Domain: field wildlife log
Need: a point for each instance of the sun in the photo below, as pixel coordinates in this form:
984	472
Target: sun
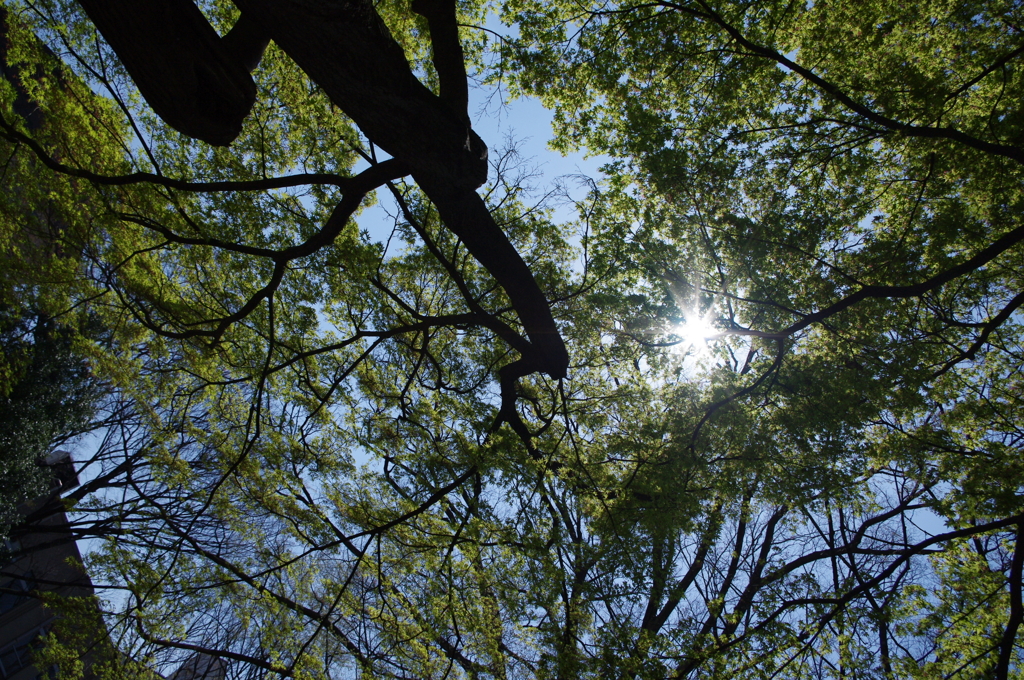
695	334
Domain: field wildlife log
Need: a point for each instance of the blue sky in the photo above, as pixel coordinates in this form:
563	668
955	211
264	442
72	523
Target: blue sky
522	121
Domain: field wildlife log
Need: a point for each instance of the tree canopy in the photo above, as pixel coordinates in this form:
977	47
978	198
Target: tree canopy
47	396
752	410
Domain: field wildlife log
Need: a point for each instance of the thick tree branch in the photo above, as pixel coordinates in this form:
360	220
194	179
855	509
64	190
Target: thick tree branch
348	51
246	42
346	48
179	64
448	59
200	87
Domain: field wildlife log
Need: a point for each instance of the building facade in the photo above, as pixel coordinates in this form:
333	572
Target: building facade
43	557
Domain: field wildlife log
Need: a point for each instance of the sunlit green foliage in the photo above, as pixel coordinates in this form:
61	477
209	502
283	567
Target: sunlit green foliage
306	477
47	396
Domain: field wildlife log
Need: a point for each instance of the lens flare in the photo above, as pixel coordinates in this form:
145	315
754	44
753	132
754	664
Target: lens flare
695	334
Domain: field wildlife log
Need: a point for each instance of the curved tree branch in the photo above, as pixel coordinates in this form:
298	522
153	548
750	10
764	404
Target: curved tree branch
1006	150
346	48
12	134
361	184
179	64
348	51
982	258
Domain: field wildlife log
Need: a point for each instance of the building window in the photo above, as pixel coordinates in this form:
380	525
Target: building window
18	655
16	592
